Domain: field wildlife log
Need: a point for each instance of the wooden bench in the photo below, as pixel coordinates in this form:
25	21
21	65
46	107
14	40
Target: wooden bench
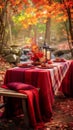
12	93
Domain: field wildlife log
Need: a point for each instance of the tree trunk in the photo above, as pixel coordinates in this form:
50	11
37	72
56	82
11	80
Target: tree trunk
48	25
71	31
70	25
70	21
47	33
9	24
2	25
69	40
2	32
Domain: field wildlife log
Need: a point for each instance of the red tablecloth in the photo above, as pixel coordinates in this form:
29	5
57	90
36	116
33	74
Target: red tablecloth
40	78
67	83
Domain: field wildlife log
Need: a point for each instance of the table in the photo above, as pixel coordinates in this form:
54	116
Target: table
48	80
67	83
38	78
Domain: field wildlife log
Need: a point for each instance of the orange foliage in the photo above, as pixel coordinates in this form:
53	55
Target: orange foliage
30	9
41	9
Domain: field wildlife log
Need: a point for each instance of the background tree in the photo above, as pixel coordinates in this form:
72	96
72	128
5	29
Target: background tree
16	6
66	7
3	16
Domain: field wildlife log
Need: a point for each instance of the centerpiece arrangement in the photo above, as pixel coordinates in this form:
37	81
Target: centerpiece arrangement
37	55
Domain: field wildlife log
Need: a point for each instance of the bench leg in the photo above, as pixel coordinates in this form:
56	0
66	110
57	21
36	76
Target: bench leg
25	112
2	105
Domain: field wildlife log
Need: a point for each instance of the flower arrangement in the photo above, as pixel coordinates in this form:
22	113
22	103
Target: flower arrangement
37	54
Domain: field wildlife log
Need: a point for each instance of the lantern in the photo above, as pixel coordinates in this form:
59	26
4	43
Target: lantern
47	52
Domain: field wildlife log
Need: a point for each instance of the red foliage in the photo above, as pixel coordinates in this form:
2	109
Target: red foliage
35	1
36	56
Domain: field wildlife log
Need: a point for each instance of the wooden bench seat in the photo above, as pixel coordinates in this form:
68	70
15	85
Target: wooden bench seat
11	93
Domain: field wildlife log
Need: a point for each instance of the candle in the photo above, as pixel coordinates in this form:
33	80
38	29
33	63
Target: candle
48	55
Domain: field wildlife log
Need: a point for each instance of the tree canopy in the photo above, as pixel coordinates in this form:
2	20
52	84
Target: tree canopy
31	12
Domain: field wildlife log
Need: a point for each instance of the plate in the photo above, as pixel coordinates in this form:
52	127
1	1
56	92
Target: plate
36	63
59	60
25	65
45	67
